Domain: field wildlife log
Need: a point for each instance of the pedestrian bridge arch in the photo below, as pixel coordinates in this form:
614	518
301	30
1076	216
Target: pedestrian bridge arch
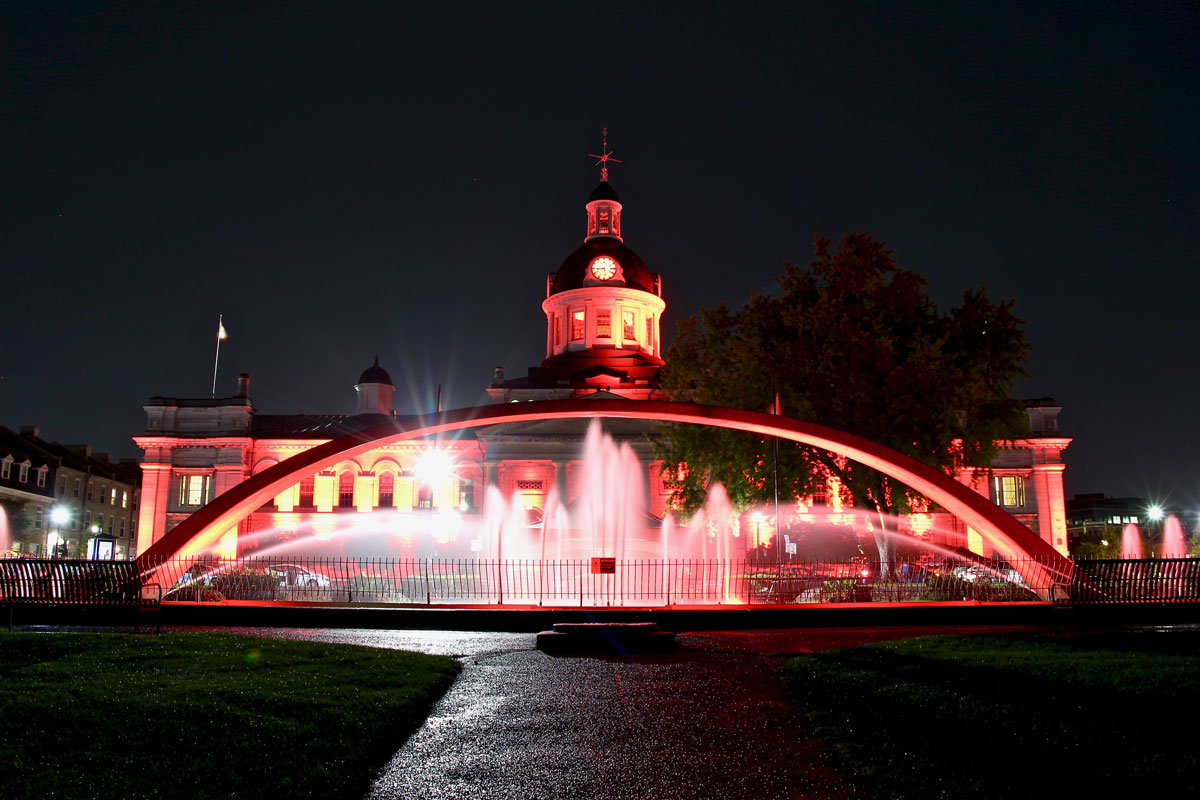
200	532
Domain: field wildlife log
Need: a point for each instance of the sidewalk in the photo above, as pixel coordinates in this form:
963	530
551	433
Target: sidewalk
708	721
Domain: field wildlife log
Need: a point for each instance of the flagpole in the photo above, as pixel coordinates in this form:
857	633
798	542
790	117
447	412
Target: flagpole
217	360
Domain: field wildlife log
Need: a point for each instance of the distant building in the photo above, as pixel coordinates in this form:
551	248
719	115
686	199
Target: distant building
98	499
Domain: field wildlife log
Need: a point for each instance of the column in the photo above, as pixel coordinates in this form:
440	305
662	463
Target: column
364	492
1051	504
152	516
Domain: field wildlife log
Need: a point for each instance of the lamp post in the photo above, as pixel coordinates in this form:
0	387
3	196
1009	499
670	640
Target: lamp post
58	517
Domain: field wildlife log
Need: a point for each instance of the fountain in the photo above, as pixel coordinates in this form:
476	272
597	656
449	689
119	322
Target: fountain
1131	541
1174	545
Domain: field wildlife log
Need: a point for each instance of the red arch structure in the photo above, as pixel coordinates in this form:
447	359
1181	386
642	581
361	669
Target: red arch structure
1014	541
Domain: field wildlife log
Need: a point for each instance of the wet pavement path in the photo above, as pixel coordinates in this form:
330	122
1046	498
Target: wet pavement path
707	721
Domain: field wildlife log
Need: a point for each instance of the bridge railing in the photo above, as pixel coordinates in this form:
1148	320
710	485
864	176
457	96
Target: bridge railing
573	582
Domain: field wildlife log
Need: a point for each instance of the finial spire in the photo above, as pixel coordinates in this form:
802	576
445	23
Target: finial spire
604	156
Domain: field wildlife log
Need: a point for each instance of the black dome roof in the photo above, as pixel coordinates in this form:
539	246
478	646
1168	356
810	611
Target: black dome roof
575	268
375	374
604	191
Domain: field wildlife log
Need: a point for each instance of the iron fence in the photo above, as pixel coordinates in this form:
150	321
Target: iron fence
1135	580
573	582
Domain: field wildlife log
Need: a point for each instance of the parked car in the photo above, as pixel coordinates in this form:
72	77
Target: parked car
194	583
296	575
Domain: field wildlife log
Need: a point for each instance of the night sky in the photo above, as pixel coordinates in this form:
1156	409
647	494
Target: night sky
352	181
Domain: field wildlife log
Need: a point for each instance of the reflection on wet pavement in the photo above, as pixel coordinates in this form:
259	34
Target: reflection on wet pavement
521	724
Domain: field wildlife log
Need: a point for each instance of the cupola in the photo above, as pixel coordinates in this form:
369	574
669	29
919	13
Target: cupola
374	390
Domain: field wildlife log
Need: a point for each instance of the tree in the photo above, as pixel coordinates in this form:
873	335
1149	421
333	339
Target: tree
853	342
14	514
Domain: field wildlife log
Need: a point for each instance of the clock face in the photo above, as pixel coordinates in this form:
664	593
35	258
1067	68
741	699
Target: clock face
604	268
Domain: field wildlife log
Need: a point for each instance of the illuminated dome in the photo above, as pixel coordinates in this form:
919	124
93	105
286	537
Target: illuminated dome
576	269
375	374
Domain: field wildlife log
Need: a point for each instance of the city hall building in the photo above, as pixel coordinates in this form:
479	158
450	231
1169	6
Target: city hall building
602	310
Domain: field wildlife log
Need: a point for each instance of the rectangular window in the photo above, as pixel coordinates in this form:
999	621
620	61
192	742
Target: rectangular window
306	491
41	481
603	324
466	495
102	494
124	499
90	492
77	484
62	485
111	518
193	490
628	321
387	488
650	332
121	528
39	514
6	468
1010	491
576	326
113	496
24	474
557	330
87	520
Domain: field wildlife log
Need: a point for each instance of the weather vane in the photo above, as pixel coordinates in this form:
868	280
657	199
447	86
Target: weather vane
604	157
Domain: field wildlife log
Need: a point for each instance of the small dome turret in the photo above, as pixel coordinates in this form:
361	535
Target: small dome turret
374	390
375	374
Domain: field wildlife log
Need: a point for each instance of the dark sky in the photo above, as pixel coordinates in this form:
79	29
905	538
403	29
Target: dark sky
353	181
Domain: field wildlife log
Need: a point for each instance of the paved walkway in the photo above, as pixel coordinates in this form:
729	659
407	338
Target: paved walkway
708	721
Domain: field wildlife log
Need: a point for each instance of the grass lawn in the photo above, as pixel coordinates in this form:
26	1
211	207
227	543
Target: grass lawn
204	714
1012	716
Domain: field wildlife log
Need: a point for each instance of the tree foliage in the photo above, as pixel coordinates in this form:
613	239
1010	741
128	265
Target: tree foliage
854	342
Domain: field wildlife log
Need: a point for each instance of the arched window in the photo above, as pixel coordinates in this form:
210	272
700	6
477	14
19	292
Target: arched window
387	485
346	490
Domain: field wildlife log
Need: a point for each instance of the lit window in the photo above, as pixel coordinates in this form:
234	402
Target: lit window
193	490
113	496
1010	491
627	319
603	324
576	325
387	486
124	499
346	490
306	491
649	331
466	495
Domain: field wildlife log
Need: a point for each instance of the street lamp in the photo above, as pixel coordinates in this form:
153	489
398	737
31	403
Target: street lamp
1156	513
59	515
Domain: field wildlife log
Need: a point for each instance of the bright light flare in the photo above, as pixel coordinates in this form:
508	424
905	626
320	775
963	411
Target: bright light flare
59	515
1156	513
434	467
